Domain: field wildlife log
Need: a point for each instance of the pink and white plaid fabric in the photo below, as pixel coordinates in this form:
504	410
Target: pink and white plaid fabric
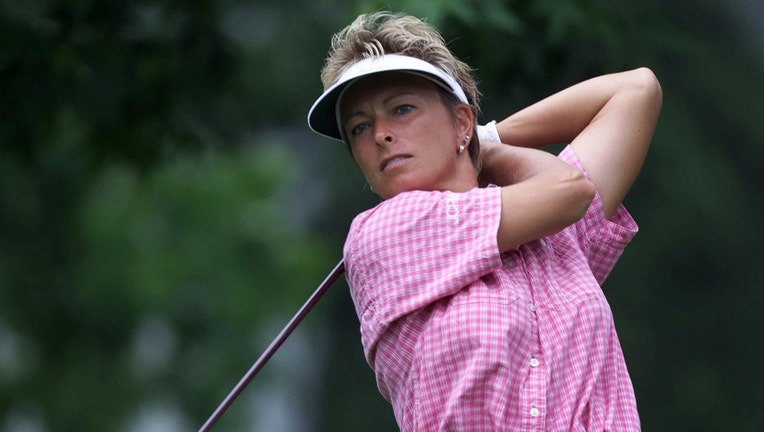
462	338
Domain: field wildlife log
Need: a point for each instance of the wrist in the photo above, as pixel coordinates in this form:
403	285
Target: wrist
488	132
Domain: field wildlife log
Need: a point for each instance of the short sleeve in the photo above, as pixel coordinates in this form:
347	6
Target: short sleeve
602	240
417	248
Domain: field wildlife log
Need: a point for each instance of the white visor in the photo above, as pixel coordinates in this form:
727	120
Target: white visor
324	117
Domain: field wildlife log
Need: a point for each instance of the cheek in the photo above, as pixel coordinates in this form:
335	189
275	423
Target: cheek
441	131
363	160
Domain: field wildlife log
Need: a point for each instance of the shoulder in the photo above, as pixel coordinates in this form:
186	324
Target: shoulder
418	220
419	209
396	208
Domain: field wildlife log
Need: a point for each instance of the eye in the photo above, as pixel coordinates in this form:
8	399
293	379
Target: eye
404	109
358	129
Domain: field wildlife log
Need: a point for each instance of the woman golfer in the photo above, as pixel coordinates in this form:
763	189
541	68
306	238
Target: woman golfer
477	278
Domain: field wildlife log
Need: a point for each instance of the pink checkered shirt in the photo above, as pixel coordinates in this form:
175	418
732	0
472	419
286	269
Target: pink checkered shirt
462	338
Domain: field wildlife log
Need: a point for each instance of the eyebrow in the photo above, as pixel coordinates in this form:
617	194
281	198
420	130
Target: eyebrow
349	117
384	101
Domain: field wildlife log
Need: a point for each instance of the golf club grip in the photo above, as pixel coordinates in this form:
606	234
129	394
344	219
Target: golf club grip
335	274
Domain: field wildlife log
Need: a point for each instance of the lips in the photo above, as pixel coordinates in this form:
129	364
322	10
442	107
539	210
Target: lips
392	161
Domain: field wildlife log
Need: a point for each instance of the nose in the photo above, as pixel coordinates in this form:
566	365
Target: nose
383	133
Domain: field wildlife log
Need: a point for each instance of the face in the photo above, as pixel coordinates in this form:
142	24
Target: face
404	138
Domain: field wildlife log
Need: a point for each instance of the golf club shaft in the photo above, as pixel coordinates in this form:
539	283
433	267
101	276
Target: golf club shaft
312	300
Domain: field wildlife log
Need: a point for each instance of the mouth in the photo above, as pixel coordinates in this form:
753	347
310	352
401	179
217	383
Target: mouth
393	161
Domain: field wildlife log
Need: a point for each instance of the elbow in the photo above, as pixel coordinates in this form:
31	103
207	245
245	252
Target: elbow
580	192
586	196
646	82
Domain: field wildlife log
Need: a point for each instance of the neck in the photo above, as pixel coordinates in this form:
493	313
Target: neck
464	178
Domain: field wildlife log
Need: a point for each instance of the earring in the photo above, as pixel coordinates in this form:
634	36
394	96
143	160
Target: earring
463	145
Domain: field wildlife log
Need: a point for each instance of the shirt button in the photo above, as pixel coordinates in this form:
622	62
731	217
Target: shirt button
534	362
532	307
543	243
534	412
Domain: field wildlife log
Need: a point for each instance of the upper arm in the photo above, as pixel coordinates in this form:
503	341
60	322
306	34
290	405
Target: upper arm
613	146
421	246
609	121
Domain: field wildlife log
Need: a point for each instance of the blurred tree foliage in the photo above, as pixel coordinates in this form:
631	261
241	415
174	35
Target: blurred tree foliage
162	204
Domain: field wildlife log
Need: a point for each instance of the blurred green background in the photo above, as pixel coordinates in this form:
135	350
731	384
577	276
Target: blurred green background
164	209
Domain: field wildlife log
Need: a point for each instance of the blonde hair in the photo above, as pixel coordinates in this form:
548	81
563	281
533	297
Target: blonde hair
384	32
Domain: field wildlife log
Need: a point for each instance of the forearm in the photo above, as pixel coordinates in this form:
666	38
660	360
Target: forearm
504	165
541	194
562	116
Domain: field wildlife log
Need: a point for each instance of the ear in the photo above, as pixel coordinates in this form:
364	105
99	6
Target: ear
465	120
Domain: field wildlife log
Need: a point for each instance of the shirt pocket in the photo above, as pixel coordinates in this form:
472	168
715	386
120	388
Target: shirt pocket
568	278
